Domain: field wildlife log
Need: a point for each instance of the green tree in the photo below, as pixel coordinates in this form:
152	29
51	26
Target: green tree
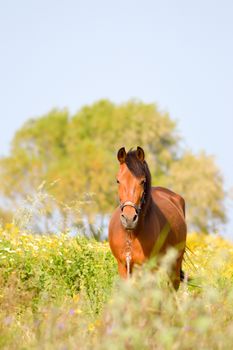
79	152
37	155
199	180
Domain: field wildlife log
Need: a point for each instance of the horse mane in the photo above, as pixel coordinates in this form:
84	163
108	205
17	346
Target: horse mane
139	169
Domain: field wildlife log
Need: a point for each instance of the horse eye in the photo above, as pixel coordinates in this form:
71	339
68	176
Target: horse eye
143	182
117	181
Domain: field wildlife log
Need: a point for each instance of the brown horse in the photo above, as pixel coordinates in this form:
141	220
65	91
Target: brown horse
148	220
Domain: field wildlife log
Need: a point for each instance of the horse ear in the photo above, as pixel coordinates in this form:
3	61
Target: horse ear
140	154
121	155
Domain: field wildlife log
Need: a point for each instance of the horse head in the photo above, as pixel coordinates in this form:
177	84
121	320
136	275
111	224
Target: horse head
132	180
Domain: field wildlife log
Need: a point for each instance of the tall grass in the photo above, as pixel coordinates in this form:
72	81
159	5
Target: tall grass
59	292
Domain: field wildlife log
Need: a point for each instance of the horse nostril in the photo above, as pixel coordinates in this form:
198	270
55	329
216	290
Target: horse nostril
129	222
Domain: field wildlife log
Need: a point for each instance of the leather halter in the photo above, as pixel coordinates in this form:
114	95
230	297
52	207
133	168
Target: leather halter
133	205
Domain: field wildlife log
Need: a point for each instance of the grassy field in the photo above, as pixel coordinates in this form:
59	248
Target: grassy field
64	293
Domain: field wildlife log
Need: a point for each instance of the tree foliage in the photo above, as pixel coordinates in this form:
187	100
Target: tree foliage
198	179
79	152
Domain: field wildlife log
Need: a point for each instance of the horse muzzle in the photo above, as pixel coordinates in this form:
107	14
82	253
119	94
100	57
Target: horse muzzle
129	223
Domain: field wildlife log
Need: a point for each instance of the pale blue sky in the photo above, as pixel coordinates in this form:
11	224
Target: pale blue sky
178	54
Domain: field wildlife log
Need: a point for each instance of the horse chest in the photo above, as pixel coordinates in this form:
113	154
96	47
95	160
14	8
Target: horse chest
139	255
138	250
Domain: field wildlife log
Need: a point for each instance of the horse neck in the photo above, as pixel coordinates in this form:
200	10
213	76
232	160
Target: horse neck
145	212
147	205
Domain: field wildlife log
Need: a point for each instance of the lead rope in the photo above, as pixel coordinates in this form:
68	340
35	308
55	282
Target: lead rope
128	255
128	258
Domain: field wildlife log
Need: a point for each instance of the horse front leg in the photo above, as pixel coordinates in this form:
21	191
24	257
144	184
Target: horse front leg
122	269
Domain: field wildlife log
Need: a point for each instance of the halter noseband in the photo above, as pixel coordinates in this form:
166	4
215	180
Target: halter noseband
137	208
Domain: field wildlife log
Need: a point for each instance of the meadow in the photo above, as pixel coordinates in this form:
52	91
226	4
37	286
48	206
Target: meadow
59	292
